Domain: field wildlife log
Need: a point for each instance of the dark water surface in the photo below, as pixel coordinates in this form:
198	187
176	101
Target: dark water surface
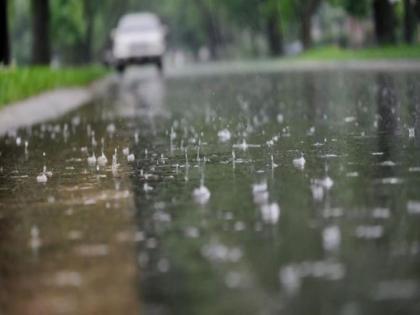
199	223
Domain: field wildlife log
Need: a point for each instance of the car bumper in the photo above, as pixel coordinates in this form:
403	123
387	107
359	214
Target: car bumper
138	51
137	60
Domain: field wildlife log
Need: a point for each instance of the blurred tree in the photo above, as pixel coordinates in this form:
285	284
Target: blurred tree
359	8
274	33
273	23
385	21
89	16
68	30
4	34
185	24
260	16
305	10
212	25
246	17
410	21
41	51
417	9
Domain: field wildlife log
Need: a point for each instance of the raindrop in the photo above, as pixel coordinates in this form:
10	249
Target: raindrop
369	231
102	160
290	279
413	207
299	163
317	192
233	279
331	237
131	157
201	194
92	160
42	178
270	213
381	213
411	132
163	265
273	164
224	135
147	187
110	128
191	232
35	241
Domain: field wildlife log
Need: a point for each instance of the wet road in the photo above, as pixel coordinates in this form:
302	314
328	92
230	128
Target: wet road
257	193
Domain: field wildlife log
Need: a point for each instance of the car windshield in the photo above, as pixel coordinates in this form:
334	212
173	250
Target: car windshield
138	23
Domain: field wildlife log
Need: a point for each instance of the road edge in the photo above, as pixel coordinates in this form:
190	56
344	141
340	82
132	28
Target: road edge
45	106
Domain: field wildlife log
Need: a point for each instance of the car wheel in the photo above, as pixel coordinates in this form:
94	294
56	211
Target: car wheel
120	68
159	64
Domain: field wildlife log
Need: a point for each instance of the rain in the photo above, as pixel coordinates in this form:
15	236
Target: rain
249	190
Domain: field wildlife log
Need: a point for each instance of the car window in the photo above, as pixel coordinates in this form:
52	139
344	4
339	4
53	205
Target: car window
133	24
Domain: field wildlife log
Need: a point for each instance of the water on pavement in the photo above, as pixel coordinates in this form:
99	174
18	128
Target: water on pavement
287	193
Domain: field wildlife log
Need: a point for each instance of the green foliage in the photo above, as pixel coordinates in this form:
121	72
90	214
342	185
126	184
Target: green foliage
336	53
356	8
235	22
359	8
67	23
20	83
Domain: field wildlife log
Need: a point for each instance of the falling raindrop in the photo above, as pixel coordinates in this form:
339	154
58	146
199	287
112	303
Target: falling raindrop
299	163
92	160
131	157
331	237
411	132
102	160
201	194
224	135
270	213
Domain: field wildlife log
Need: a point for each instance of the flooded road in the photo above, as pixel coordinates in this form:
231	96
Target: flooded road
257	193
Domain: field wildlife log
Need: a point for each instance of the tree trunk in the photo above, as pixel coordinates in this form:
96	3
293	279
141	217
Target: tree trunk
4	34
211	26
305	31
41	51
307	9
89	16
384	19
417	8
274	34
410	21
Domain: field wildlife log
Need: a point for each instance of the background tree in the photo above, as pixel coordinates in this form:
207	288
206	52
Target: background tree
89	18
385	21
208	11
410	21
305	10
4	34
272	16
41	50
80	29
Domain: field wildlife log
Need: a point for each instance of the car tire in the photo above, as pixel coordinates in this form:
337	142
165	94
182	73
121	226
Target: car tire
159	64
120	68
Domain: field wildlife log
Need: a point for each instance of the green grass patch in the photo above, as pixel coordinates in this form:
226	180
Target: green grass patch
336	53
19	83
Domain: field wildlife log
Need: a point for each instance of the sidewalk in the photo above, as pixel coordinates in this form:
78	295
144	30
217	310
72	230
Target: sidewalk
48	105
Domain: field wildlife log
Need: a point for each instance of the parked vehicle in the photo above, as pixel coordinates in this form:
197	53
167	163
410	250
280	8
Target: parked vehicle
138	39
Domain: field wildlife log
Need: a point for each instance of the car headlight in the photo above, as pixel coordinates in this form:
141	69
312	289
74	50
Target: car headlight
120	49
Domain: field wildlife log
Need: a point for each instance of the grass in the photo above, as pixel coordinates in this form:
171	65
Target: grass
336	53
20	83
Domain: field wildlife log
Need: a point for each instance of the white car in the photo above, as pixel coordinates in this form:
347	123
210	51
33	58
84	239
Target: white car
139	38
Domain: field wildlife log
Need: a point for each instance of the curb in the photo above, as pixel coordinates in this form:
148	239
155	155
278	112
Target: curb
48	105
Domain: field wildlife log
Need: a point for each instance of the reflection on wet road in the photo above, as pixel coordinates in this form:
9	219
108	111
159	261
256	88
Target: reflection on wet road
288	193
